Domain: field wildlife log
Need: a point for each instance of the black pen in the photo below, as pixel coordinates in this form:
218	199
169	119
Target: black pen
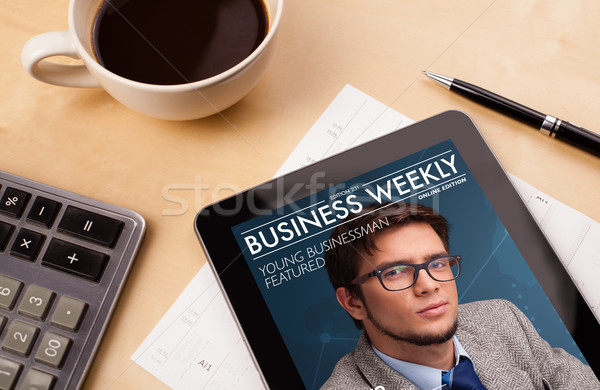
548	125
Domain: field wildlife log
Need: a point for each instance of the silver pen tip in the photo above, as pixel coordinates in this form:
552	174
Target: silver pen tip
444	81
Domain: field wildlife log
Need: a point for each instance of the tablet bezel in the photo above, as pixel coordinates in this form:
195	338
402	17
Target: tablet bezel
213	226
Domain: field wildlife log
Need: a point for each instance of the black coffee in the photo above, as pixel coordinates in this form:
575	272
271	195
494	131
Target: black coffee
176	41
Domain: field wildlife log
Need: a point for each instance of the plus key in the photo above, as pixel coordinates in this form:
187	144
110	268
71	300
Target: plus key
75	259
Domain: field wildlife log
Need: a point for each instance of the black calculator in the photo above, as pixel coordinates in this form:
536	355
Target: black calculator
64	259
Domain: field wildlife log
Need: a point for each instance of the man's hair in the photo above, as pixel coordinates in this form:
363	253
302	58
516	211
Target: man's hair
343	261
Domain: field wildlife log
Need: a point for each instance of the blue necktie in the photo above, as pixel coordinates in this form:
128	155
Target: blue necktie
462	377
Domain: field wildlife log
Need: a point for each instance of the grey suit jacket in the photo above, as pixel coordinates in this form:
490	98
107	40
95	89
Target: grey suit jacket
506	349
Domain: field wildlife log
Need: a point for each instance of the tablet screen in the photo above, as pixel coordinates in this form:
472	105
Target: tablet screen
285	250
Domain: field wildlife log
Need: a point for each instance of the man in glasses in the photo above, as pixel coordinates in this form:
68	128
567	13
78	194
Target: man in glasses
398	285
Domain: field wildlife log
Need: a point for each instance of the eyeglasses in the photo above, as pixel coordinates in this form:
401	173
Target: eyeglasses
402	276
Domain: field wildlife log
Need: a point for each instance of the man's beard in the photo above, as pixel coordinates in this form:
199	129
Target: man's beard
413	337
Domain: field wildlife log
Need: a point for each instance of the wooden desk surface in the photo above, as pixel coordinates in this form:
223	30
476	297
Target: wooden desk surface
544	54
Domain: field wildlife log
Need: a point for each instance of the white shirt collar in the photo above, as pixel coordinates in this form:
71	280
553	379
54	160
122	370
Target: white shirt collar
425	378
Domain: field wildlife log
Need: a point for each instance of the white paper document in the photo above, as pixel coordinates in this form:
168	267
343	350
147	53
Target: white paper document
351	119
197	344
573	235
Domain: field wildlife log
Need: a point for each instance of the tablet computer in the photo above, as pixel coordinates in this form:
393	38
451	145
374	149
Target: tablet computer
269	246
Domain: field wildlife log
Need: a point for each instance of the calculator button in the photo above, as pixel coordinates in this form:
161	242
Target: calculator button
20	337
90	226
9	373
27	244
36	302
5	233
53	349
43	211
75	259
69	313
13	201
38	380
2	322
9	291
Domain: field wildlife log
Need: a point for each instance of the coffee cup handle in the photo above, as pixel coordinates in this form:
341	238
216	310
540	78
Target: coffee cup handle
56	43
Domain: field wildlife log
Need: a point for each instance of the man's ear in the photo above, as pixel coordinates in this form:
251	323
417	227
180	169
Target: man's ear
353	304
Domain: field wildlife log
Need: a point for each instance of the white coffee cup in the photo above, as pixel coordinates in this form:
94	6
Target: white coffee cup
175	102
